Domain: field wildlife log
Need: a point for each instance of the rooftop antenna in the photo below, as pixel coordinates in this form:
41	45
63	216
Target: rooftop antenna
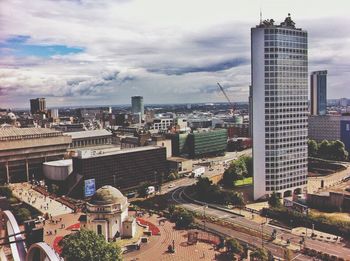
260	16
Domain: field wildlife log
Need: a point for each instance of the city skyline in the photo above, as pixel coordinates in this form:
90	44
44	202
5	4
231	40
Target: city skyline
83	53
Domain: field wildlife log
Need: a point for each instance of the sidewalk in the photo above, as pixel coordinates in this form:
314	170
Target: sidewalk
25	193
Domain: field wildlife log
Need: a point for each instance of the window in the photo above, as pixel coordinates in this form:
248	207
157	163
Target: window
99	230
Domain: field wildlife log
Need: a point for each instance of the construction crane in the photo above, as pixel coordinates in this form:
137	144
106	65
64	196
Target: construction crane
227	98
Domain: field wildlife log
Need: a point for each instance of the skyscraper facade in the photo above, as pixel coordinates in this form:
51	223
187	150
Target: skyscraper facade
280	107
137	105
318	82
37	105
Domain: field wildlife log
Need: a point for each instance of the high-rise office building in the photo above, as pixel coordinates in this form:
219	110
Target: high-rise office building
37	105
137	105
318	82
280	107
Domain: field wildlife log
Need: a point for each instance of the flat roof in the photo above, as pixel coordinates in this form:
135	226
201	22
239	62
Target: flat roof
59	163
26	133
86	154
88	134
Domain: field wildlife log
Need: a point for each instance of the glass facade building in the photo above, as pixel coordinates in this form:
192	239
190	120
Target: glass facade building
318	82
279	108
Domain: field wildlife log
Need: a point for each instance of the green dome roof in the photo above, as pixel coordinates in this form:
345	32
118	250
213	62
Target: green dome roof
108	195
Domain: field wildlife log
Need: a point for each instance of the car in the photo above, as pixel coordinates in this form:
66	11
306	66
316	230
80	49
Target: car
39	219
171	186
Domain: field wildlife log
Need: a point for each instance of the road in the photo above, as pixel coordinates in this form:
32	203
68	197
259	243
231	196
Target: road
336	249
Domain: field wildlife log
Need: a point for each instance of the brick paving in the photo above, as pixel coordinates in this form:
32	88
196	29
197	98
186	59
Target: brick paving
156	248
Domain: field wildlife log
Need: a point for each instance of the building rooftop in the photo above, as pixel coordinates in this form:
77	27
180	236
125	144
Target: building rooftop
88	134
108	195
86	154
7	134
59	163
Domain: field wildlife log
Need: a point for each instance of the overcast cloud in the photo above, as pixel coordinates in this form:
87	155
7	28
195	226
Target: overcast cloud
85	52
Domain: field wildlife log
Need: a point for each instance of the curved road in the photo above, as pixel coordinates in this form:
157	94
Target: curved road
336	249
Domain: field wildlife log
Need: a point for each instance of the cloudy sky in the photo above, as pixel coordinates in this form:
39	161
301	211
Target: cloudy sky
86	52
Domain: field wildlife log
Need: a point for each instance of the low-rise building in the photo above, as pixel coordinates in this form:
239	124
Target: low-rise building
125	169
81	139
330	127
24	150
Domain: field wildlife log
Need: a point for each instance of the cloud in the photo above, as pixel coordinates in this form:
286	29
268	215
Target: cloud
104	51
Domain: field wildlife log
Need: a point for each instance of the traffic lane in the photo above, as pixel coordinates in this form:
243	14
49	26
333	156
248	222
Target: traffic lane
333	249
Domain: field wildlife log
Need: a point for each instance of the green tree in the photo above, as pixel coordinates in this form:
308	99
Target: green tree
312	148
5	191
337	150
236	171
248	160
182	218
324	149
259	254
237	199
23	214
86	245
274	201
142	189
234	246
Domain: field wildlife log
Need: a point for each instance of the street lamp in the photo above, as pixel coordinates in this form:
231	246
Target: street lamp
204	207
262	234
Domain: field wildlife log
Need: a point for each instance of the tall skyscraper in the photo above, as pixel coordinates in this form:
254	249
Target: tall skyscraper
280	107
137	105
37	105
318	82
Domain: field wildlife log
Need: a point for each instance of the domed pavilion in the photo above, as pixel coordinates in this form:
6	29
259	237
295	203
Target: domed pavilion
107	214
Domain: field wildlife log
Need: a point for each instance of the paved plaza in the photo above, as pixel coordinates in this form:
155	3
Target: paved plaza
44	204
156	248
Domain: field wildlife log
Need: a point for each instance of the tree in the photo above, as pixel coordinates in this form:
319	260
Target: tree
86	245
237	199
248	160
324	149
236	171
337	150
274	201
312	148
182	218
142	190
234	246
5	191
259	254
23	214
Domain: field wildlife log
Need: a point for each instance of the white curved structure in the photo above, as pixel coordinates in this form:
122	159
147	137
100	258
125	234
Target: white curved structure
37	252
18	249
42	252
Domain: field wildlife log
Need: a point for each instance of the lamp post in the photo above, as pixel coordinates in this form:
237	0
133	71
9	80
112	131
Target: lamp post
204	207
262	234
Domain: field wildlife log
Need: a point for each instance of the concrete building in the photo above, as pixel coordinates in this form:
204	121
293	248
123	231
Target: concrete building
330	127
81	139
161	124
199	143
58	170
23	151
137	106
318	82
279	107
124	169
38	106
107	215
